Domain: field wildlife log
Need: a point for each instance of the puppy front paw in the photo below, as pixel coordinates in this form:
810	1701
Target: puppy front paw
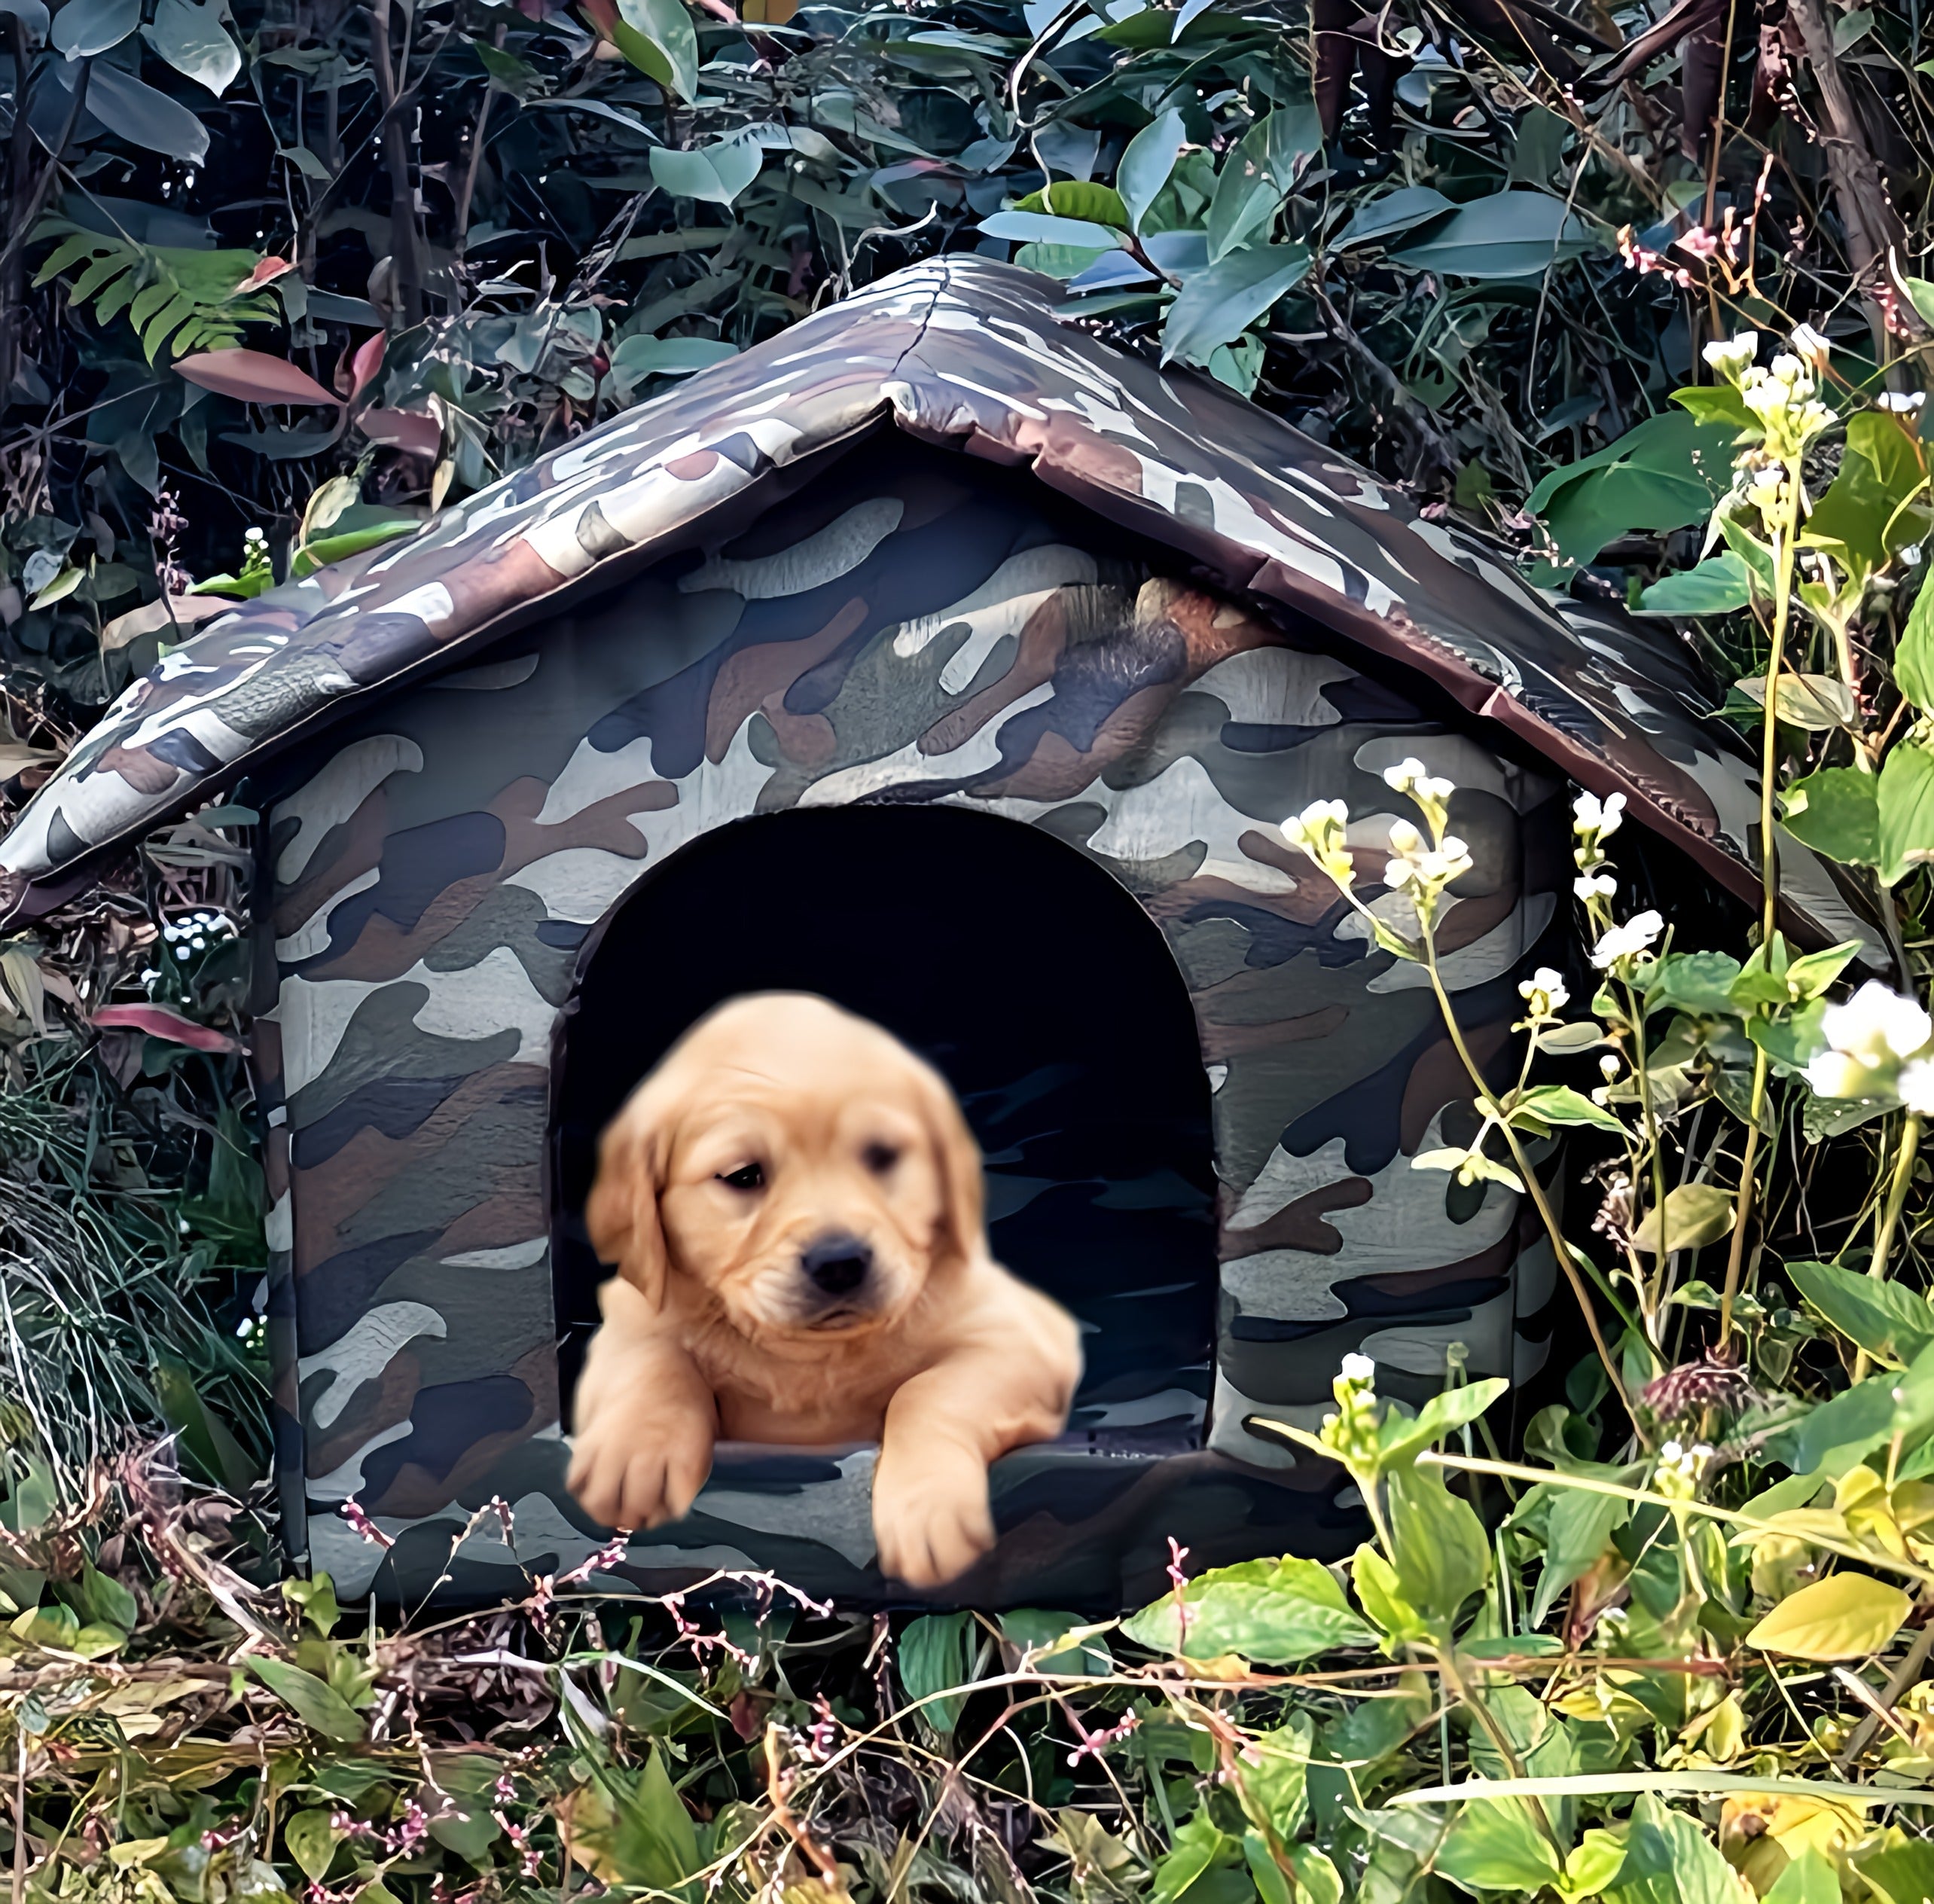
634	1467
932	1518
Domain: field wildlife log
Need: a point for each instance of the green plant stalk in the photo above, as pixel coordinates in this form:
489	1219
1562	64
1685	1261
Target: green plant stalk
1897	1186
1648	1118
1533	1187
1784	533
1873	1557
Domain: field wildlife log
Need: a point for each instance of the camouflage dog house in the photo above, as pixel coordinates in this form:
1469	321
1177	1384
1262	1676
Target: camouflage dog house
941	657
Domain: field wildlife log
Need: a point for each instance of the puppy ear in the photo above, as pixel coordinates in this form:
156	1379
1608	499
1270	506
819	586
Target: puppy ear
622	1212
962	1229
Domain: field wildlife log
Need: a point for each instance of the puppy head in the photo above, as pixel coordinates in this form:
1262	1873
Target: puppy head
800	1164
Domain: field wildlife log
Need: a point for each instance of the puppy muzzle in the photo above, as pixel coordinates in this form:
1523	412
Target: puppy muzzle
837	1282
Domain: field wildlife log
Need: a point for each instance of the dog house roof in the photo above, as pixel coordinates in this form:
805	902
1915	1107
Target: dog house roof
971	355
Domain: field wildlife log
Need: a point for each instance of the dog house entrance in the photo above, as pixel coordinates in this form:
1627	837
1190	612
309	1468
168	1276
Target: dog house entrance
1030	978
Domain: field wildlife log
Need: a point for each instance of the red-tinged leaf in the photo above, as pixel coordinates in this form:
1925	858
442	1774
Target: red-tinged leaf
158	1022
402	429
265	272
255	376
365	365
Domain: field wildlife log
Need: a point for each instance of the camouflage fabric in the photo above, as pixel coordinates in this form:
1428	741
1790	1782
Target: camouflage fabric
969	353
916	629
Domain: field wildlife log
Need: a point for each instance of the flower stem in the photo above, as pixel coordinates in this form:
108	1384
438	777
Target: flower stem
1897	1189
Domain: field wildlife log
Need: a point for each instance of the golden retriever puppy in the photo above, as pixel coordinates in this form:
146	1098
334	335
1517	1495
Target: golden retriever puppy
793	1201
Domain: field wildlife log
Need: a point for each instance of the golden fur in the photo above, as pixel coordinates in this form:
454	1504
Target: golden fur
730	1318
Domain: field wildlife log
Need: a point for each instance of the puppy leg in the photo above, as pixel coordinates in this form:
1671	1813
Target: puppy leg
645	1420
931	1513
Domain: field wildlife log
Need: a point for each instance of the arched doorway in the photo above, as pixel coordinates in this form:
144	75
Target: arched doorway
1036	984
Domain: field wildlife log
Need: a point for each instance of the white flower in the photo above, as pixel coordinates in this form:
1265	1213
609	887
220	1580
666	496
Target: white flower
1623	941
182	952
1901	400
1732	358
1594	886
1405	774
1833	1074
1315	819
1811	347
1916	1086
1544	992
1608	1067
1672	1452
1359	1369
1432	868
1596	816
1405	838
1875	1023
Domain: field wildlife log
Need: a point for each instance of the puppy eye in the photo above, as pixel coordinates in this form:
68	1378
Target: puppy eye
747	1176
879	1158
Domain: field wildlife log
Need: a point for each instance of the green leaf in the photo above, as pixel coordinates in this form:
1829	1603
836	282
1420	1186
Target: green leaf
1810	1878
469	1829
144	115
1881	1317
1897	1874
311	1841
107	1600
1400	1438
1217	305
84	28
1511	234
326	549
936	1653
1905	800
1694	1214
657	37
1273	1767
1560	1104
1079	199
1198	1847
1667	473
1441	1553
1147	162
1045	228
316	1703
1718	403
1399	211
1256	176
1698	982
1271	1885
1845	1616
1669	1859
1866	517
638	357
1914	660
1278	1612
715	174
1494	1846
1577	1529
202	1437
1719	584
189	35
1837	812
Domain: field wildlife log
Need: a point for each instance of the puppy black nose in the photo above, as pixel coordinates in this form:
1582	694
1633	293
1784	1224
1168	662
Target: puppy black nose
837	1265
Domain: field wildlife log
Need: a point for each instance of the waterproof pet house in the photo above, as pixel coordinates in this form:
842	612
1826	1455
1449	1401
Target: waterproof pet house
940	658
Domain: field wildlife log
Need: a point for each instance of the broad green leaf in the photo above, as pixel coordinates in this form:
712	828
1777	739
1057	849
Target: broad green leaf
1256	176
1670	1859
1385	216
1904	801
1914	660
145	116
1146	163
1810	1878
311	1842
1511	234
1816	703
1216	306
1719	403
1577	1529
1594	1861
84	28
1866	515
1829	1439
1667	473
1316	1877
468	1828
1837	812
1719	584
1271	1885
316	1703
1896	1874
1400	1438
1441	1553
1494	1846
641	357
1845	1616
1698	982
1560	1104
715	174
1278	1611
203	1438
657	37
1079	198
1695	1214
1881	1317
190	36
1274	1770
1046	228
936	1654
107	1600
326	549
1197	1849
